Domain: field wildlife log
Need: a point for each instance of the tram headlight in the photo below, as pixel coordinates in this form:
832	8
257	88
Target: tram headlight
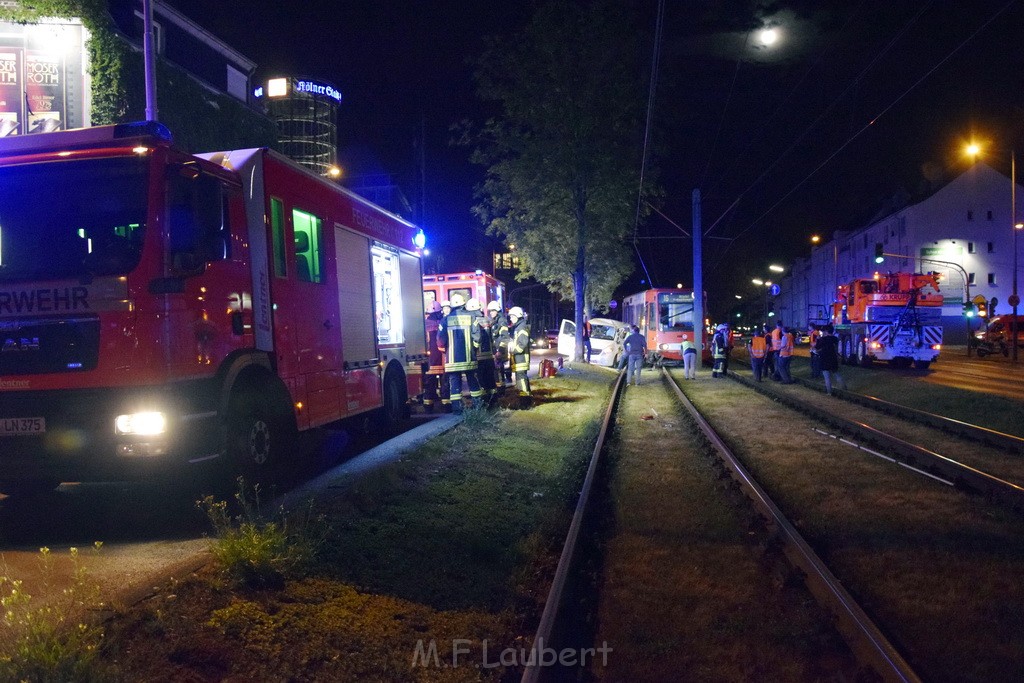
148	423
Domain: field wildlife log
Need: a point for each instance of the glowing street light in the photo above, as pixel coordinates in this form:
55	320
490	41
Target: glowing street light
973	150
776	269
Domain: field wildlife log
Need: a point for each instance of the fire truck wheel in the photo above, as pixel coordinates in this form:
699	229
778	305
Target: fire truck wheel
396	400
254	435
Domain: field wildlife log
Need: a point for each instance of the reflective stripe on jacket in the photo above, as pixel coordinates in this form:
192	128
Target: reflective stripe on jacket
455	338
758	347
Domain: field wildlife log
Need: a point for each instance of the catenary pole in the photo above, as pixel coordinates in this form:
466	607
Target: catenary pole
149	59
698	278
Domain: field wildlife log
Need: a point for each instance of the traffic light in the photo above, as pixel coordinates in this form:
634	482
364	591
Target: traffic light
879	256
969	309
982	309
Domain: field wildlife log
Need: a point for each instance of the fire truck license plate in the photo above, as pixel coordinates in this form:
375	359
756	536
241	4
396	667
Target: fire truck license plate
17	426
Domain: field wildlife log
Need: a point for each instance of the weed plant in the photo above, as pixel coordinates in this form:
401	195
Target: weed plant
51	642
476	418
259	551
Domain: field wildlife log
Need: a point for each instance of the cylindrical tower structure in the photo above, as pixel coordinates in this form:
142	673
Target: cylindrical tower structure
306	114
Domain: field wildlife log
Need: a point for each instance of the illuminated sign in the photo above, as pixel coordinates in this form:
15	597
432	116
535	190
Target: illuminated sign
314	88
277	87
42	77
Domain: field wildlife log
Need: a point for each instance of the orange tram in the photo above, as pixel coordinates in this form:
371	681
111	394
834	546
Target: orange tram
665	318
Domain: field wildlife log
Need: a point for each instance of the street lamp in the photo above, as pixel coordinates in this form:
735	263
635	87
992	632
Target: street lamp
973	149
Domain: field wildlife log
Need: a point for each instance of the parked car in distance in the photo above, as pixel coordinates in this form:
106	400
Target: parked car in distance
606	336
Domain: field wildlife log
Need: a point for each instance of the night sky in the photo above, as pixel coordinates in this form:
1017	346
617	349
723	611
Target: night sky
858	104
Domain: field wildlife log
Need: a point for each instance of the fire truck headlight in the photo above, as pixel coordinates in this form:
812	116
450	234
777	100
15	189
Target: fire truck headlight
141	424
936	347
875	345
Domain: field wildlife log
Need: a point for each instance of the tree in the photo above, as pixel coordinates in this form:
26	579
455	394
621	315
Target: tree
563	157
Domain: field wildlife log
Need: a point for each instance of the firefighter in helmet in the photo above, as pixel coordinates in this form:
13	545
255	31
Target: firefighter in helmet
434	384
720	351
519	351
484	343
455	338
500	338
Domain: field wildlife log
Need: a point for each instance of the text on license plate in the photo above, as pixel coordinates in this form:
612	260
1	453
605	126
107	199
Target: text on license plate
16	426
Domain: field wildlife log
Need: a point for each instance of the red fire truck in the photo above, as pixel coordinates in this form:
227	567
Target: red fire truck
159	308
477	285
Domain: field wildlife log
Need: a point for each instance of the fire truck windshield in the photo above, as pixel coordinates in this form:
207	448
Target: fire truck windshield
80	218
675	312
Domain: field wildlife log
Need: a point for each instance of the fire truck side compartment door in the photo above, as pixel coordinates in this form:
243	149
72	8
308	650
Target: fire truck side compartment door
412	307
355	299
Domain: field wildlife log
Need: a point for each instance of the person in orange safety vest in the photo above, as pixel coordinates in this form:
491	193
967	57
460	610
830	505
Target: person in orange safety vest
757	348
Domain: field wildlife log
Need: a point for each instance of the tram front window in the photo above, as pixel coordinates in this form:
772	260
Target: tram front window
675	312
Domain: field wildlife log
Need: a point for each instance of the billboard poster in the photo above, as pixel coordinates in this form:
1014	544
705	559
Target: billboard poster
44	98
43	82
10	92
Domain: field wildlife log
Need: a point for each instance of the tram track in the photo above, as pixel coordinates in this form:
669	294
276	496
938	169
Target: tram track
872	650
914	553
1008	442
988	473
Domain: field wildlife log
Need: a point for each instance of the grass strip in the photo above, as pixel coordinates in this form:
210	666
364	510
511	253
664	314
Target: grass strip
432	567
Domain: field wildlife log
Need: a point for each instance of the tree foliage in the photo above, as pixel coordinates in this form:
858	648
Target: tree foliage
563	156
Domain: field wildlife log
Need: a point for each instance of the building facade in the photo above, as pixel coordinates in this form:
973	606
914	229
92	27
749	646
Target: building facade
67	64
964	232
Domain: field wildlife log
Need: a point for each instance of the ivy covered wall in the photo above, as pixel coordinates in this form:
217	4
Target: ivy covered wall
199	119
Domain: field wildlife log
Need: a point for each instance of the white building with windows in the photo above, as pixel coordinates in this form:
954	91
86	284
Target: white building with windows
964	232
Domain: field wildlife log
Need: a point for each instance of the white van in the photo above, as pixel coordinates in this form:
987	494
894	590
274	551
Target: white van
606	337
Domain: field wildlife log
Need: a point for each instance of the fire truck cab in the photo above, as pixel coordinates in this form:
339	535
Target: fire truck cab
160	309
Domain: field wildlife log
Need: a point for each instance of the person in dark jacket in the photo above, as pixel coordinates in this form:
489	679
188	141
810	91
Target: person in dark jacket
635	347
435	385
828	358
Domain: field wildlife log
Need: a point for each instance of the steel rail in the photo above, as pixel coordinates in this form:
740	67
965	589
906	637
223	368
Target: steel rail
964	476
862	635
533	669
992	437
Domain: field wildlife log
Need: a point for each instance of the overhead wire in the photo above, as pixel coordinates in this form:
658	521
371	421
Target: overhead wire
784	101
876	117
655	60
860	76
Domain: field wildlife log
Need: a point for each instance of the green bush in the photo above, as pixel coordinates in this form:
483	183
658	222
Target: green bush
260	552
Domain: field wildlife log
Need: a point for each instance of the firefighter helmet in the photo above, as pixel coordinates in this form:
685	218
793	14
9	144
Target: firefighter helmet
722	327
434	306
515	312
457	300
493	306
473	304
446	304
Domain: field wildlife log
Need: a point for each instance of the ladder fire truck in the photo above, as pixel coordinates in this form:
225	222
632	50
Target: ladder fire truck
890	317
159	308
